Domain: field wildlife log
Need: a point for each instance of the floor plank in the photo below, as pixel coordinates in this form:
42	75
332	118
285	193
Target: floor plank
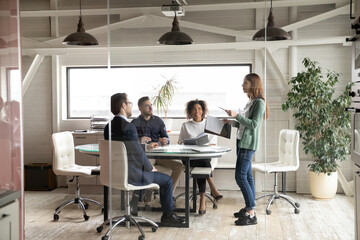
319	219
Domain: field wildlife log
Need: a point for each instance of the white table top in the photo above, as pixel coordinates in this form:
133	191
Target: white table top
170	150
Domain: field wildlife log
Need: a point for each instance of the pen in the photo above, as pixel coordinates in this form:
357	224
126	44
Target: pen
222	108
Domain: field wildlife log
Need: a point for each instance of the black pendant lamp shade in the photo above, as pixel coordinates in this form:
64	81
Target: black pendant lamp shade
175	37
80	37
272	33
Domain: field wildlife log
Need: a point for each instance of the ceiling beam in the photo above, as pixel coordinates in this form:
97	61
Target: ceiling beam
184	48
270	59
31	72
188	8
323	16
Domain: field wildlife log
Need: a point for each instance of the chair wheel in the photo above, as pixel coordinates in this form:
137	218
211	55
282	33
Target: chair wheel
154	229
268	212
215	206
104	238
56	217
141	237
297	205
297	211
86	217
86	205
99	229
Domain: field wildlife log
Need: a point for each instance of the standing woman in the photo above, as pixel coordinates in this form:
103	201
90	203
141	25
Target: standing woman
196	110
248	123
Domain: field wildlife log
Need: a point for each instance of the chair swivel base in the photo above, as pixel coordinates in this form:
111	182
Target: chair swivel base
127	219
81	202
277	196
208	195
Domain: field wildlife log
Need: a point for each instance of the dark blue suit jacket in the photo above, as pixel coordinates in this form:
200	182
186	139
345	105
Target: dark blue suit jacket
122	130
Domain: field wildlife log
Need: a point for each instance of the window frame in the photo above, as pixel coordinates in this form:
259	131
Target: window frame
68	69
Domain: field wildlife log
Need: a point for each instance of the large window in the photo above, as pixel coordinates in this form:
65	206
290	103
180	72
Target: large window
90	88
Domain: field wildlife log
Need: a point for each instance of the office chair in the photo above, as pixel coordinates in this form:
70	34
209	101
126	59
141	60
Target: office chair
64	164
288	151
119	180
202	172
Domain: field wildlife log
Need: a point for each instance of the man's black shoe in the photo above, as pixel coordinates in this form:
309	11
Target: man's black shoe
171	218
134	205
148	195
246	221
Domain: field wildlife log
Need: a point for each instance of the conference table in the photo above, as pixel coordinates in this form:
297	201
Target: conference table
186	153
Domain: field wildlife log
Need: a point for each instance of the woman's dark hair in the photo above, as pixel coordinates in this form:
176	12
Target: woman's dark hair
116	101
190	104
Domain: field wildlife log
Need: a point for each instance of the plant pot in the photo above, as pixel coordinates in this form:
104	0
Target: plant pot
168	123
323	186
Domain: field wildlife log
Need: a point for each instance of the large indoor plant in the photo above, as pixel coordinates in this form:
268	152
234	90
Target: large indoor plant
322	121
163	98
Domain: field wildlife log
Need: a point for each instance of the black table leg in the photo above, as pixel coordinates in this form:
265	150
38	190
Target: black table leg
106	202
187	183
194	194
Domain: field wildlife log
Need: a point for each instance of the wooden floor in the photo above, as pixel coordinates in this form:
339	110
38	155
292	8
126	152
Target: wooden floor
318	219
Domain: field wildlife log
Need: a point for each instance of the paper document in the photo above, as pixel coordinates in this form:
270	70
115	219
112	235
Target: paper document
202	149
217	127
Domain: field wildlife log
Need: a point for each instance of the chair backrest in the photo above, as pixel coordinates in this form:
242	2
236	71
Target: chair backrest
119	164
63	151
289	147
357	141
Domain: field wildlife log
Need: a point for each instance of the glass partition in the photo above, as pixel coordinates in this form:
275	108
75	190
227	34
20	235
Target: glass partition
132	42
11	172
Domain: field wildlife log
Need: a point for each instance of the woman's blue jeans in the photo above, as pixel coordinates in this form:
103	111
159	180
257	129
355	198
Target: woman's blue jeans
243	175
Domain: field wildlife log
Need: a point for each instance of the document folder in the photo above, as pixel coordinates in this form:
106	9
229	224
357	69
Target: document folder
217	127
201	139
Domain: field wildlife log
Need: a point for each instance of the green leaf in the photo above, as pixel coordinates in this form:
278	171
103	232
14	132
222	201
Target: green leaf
322	121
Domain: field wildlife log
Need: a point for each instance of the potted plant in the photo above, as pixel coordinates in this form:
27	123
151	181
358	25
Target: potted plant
163	98
323	123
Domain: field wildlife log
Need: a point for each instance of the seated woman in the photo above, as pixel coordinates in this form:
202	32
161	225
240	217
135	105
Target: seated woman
197	110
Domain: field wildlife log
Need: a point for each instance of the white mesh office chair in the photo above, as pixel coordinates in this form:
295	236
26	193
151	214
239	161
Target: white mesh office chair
288	150
119	180
64	164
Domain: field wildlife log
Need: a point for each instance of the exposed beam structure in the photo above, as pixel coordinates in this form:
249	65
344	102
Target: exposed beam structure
31	72
157	21
152	21
275	67
318	18
189	8
183	48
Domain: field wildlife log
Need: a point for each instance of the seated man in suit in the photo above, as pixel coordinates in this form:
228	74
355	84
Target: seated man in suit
151	129
140	171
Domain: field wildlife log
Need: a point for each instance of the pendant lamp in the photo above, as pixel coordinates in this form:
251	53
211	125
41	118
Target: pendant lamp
272	32
175	36
80	37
